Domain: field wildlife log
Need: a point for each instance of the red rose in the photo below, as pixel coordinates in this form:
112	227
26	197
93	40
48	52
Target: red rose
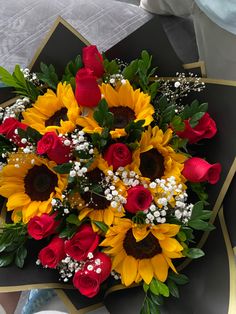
94	272
206	128
43	226
8	128
87	91
118	155
199	170
139	198
83	242
93	60
53	146
51	255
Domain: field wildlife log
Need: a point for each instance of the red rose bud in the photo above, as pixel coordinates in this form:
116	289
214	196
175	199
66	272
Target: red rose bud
118	155
8	128
83	242
93	60
43	226
51	255
139	198
94	272
206	128
87	91
199	170
54	147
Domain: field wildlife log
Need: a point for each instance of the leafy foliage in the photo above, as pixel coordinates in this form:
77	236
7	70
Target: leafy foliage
194	112
71	69
17	80
134	131
48	75
139	72
199	216
12	241
5	145
63	168
103	116
30	134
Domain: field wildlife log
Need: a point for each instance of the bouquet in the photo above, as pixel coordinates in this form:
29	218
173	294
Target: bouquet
98	165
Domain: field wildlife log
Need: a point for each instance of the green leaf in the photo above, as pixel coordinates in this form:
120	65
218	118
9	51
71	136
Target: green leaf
68	231
179	279
194	253
154	287
195	119
103	116
21	85
197	210
6	259
145	287
198	224
73	219
111	67
177	123
63	168
5	145
173	288
158	287
153	89
21	254
101	225
199	189
182	236
48	75
131	70
149	307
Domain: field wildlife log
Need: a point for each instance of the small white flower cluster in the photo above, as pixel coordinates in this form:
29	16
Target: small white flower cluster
58	205
117	78
183	212
80	142
129	178
177	89
78	170
32	77
115	275
170	191
14	110
67	267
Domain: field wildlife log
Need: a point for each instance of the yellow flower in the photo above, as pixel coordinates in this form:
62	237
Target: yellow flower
126	104
142	251
30	184
54	112
95	205
155	158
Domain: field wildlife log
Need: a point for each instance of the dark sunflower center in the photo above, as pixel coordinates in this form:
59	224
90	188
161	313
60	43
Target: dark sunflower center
147	248
152	164
57	117
122	116
95	200
40	182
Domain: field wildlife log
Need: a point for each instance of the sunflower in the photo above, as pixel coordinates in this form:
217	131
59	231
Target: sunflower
30	184
95	205
142	251
126	104
155	158
54	112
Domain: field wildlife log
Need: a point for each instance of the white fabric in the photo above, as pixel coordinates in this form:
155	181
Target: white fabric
216	46
221	12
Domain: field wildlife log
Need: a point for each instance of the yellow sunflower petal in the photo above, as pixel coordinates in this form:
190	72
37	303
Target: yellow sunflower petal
146	270
160	267
17	200
171	245
129	270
